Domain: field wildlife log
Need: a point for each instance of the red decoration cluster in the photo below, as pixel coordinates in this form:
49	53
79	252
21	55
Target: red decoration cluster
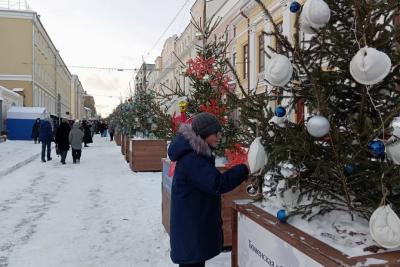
177	120
214	108
235	156
199	67
221	82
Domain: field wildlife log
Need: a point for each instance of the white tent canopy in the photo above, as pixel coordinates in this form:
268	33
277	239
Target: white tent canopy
27	113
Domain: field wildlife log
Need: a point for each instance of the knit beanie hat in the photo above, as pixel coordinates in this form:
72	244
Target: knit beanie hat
205	124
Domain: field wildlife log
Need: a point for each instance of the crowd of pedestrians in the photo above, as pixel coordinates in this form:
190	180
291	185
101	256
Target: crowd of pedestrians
67	134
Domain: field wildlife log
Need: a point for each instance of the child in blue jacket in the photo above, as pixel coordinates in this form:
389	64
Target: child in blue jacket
195	220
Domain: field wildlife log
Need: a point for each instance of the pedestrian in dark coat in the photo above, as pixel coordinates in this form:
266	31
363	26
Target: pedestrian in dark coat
87	138
76	139
35	130
46	136
195	220
62	139
111	130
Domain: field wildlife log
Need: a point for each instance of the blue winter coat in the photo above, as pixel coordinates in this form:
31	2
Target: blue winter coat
195	220
45	132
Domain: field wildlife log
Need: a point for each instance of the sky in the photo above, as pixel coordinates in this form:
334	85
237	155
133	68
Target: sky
110	34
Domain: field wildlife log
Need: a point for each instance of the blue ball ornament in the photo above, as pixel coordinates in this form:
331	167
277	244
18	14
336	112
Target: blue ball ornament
349	169
295	7
281	215
280	111
377	148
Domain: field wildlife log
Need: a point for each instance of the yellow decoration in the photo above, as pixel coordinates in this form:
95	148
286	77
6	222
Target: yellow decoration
183	106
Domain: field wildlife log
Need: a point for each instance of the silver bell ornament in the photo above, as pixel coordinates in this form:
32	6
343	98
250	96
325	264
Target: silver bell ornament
252	190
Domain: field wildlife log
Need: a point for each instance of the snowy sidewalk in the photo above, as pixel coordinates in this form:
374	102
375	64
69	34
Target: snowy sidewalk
15	154
96	213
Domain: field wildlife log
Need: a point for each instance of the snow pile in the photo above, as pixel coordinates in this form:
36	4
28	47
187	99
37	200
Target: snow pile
96	213
337	229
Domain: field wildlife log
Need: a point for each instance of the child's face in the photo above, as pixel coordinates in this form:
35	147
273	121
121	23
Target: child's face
213	139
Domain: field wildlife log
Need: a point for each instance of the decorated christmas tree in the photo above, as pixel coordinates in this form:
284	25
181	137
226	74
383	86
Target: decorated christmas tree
210	85
344	75
142	116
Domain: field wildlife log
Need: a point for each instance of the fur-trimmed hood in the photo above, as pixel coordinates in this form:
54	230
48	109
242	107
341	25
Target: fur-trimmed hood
187	141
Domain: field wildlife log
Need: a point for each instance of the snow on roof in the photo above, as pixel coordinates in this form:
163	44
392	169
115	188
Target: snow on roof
26	112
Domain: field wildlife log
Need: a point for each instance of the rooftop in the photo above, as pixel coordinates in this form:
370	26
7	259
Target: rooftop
15	5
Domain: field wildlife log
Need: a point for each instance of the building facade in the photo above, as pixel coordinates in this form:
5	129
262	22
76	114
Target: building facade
77	99
31	62
144	76
246	25
170	65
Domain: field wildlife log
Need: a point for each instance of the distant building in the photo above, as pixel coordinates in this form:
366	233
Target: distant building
144	76
77	99
89	107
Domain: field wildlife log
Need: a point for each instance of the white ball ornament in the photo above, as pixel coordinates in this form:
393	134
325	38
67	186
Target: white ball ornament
384	227
279	70
256	156
318	126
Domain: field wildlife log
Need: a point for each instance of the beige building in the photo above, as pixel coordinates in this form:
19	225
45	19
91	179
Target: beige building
165	66
77	99
144	76
31	62
249	44
169	75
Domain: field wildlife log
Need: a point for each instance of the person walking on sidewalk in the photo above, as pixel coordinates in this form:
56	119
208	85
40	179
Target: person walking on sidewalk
62	140
35	130
195	222
111	130
75	139
46	136
87	138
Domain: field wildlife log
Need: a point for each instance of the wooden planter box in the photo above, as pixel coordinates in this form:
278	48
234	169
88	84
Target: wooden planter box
259	239
127	147
146	155
117	139
227	203
123	137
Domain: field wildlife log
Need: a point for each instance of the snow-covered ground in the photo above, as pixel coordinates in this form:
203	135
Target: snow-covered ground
13	153
96	213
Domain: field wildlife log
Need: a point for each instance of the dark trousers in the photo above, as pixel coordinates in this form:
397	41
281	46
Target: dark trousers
63	154
111	136
76	154
36	139
200	264
48	146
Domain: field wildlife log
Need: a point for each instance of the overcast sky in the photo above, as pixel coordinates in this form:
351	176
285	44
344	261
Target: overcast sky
105	33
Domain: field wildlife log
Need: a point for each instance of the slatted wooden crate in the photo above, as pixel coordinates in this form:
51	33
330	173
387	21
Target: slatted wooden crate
117	139
226	205
127	147
146	155
259	239
123	137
